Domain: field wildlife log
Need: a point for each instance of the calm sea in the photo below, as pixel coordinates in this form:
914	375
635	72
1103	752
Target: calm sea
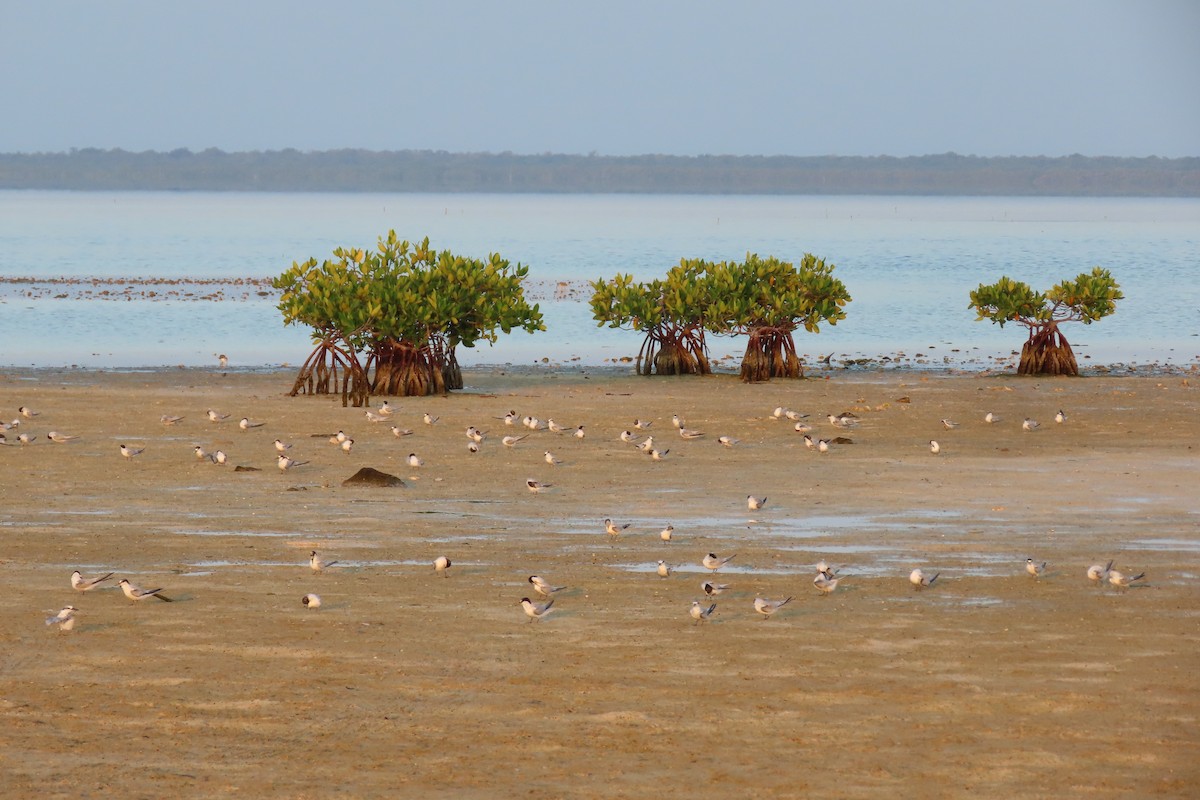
908	262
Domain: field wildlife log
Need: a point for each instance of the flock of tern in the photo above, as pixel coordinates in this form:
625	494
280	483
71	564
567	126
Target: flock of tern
825	582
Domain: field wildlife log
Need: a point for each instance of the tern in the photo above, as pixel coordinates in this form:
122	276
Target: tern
223	360
658	455
1035	569
373	417
167	419
628	436
311	600
554	426
711	561
27	412
398	432
990	418
825	582
510	418
476	435
728	441
579	434
647	445
543	586
664	570
676	421
338	437
441	564
754	503
802	427
472	447
26	438
665	533
60	438
214	416
1060	417
1098	572
552	460
510	441
130	452
779	412
613	529
537	486
808	442
822	445
1122	581
794	416
137	593
934	447
317	563
64	619
700	613
200	454
1030	424
536	611
688	433
82	584
429	419
768	607
282	446
347	445
286	463
712	589
642	425
386	410
843	420
245	424
918	579
415	461
220	458
949	424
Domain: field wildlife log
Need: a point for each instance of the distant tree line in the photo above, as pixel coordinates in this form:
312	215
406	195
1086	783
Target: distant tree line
437	171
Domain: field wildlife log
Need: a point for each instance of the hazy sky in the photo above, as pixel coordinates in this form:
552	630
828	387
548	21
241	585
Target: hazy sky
911	77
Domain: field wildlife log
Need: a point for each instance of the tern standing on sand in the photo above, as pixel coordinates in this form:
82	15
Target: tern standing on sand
138	593
918	580
82	584
700	613
64	619
712	562
534	611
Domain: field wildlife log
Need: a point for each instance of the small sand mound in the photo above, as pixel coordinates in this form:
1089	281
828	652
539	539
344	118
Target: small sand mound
369	476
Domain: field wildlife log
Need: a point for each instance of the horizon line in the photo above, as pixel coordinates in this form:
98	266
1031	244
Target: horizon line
592	154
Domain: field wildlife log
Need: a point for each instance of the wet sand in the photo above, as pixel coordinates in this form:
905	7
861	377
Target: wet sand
990	683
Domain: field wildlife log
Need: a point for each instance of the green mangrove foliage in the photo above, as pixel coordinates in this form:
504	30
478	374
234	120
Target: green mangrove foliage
332	298
388	321
1087	298
765	299
768	300
672	313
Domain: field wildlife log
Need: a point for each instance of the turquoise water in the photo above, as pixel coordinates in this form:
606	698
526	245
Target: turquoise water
908	262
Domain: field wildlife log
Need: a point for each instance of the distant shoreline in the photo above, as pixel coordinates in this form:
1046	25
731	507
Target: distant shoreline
425	171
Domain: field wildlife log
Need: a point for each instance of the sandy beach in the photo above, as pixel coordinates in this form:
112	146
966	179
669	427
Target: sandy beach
405	683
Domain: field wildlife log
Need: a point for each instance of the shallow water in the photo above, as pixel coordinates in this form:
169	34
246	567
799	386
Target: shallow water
908	262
